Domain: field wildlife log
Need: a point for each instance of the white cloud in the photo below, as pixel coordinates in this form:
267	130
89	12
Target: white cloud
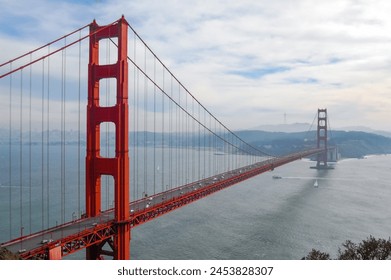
335	53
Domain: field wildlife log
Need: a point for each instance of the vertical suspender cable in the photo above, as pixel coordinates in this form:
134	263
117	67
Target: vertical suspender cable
61	137
42	146
30	146
186	145
10	154
207	145
226	148
178	139
197	144
229	151
188	133
189	141
64	131
200	142
137	127
206	141
145	124
182	175
182	132
21	153
163	138
217	147
180	151
212	146
189	137
214	171
192	137
136	160
170	109
154	127
79	136
232	154
47	143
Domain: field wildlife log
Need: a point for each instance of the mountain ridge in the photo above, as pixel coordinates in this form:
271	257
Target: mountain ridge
350	143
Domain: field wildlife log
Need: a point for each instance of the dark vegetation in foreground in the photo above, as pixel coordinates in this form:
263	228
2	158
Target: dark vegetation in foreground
369	249
7	255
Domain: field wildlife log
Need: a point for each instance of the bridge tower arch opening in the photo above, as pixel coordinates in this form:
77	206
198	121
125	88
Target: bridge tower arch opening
117	114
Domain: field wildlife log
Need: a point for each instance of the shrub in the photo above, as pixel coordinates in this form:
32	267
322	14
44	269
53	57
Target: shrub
369	249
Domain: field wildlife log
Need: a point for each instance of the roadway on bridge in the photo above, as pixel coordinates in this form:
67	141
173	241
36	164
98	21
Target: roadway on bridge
56	234
59	236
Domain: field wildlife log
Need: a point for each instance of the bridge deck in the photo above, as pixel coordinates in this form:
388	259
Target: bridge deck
81	233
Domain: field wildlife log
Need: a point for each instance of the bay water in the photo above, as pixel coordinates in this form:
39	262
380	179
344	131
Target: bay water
261	218
266	218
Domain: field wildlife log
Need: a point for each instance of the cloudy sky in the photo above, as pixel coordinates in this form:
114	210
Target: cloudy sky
249	62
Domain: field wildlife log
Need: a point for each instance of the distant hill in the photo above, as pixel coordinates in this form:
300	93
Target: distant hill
358	143
367	129
300	127
350	143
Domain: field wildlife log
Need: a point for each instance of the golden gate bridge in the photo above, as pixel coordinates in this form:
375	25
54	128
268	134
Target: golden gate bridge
93	147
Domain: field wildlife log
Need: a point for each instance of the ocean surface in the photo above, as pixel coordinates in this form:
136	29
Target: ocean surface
261	218
266	218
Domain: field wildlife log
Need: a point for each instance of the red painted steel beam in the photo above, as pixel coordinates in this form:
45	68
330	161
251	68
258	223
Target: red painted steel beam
74	243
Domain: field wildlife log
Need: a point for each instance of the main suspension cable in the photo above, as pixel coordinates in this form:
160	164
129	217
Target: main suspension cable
188	92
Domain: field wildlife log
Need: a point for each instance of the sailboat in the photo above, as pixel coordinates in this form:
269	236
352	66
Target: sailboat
316	184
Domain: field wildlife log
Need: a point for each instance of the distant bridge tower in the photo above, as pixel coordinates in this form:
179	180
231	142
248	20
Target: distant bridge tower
96	164
322	139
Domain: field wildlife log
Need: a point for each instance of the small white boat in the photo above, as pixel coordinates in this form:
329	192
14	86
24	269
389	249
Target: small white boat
316	184
277	177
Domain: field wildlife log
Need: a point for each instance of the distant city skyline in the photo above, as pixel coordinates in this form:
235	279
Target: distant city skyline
250	63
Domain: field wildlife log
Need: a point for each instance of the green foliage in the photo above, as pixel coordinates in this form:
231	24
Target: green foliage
369	249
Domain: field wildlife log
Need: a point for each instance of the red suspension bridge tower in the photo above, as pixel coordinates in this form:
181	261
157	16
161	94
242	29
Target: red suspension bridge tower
322	139
118	166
